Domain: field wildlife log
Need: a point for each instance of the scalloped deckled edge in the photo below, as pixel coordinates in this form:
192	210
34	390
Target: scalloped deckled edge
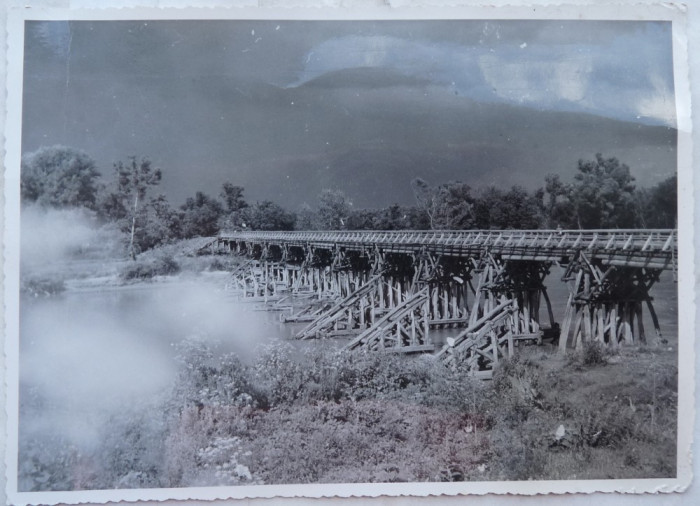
396	9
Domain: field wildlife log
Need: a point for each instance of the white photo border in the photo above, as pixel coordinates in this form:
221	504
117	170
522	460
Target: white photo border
686	300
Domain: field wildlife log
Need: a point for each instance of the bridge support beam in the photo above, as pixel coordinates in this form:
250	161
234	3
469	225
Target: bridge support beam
352	314
397	278
518	280
449	281
404	329
609	281
486	340
606	304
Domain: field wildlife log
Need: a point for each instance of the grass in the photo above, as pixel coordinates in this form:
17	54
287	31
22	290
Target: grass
112	269
327	417
149	268
42	286
619	419
324	416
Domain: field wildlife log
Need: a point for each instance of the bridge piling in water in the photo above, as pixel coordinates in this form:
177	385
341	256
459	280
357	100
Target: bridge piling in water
389	288
606	303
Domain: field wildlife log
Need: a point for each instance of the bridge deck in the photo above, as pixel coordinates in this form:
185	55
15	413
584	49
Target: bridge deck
633	248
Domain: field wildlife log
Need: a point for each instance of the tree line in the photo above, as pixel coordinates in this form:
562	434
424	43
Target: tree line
602	195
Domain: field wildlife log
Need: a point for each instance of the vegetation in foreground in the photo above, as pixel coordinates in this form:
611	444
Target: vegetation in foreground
326	416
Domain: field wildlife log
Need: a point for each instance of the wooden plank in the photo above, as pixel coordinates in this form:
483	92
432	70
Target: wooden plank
613	339
392	316
338	310
569	314
654	318
640	322
419	348
600	313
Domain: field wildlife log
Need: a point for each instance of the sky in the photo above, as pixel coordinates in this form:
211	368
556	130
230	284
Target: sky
285	108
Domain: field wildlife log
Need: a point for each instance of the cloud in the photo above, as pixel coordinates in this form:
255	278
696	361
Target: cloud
660	103
624	75
442	63
541	80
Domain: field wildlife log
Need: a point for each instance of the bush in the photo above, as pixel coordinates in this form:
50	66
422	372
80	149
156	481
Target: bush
47	463
593	353
518	381
364	441
164	265
315	415
205	446
132	448
207	381
42	287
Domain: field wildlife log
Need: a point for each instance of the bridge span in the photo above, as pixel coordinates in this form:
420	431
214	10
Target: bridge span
388	289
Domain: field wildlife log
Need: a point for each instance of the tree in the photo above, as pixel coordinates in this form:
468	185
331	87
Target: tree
559	209
394	217
512	209
520	210
306	218
164	219
200	216
59	176
416	219
128	201
333	210
234	205
426	199
363	219
603	194
455	209
267	215
448	206
658	206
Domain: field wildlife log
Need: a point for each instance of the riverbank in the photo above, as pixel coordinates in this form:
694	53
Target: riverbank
109	271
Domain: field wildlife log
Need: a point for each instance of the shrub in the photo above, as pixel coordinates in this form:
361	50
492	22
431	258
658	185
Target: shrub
164	265
42	287
205	446
593	353
132	448
207	381
364	441
519	380
46	463
371	375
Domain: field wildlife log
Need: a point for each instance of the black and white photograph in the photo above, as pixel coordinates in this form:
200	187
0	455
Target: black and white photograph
315	250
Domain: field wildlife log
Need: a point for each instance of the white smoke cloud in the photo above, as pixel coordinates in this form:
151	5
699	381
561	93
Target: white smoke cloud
54	235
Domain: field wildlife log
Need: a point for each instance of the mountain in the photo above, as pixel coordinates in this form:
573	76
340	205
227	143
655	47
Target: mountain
366	131
371	138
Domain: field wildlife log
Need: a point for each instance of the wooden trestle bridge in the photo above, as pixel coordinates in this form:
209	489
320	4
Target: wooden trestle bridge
387	290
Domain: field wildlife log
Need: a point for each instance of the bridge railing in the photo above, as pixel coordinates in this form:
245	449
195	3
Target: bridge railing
633	239
643	247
